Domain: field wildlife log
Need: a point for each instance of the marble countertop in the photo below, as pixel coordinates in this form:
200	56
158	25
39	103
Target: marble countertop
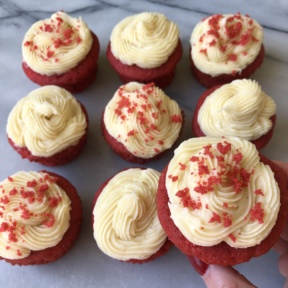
85	265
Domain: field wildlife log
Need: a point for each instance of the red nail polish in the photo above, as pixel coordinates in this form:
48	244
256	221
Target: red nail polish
198	265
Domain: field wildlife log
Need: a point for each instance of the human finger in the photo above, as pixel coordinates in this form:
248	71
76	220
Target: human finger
216	276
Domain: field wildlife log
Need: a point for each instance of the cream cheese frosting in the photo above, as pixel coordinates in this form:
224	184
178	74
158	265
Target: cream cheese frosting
239	109
225	44
146	40
126	225
143	118
56	45
46	121
34	214
220	191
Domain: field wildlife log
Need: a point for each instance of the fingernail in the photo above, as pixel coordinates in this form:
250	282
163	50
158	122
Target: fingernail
198	265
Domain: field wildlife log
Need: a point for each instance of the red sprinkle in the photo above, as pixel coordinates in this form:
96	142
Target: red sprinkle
4	226
259	192
215	218
257	213
232	237
176	118
186	199
232	57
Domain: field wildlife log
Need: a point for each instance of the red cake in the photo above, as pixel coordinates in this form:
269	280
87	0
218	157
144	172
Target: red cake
238	109
141	122
145	48
130	187
233	204
52	136
36	197
69	61
225	48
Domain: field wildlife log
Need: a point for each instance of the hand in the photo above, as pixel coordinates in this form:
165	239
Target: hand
217	276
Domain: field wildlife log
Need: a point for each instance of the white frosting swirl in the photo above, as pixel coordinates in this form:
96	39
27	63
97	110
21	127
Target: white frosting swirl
56	45
46	121
143	118
34	214
146	39
225	44
126	225
239	109
229	194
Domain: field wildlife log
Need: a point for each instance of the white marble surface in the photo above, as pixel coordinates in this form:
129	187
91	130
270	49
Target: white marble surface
85	265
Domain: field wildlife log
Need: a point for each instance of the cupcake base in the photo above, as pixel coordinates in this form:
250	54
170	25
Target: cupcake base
260	143
53	253
209	81
59	158
75	80
161	76
223	254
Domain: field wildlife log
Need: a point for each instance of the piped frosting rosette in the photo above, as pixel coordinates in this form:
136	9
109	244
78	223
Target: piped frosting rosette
34	214
56	45
225	44
239	109
146	39
126	225
143	118
46	121
219	191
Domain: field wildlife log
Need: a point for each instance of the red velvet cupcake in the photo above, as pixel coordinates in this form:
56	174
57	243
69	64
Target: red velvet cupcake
145	48
40	217
48	126
141	122
125	221
222	202
61	51
239	109
225	48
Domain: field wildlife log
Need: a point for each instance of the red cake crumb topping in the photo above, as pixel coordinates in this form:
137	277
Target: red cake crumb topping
259	192
224	174
257	213
33	191
232	237
233	30
126	105
215	218
67	36
187	201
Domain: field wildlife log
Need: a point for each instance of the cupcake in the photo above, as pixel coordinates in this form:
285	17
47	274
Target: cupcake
141	122
48	126
125	222
40	217
61	51
225	48
145	48
239	109
221	201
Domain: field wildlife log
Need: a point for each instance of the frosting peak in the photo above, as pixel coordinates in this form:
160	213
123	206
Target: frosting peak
220	191
225	44
143	118
56	45
239	109
146	40
46	121
34	214
126	225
